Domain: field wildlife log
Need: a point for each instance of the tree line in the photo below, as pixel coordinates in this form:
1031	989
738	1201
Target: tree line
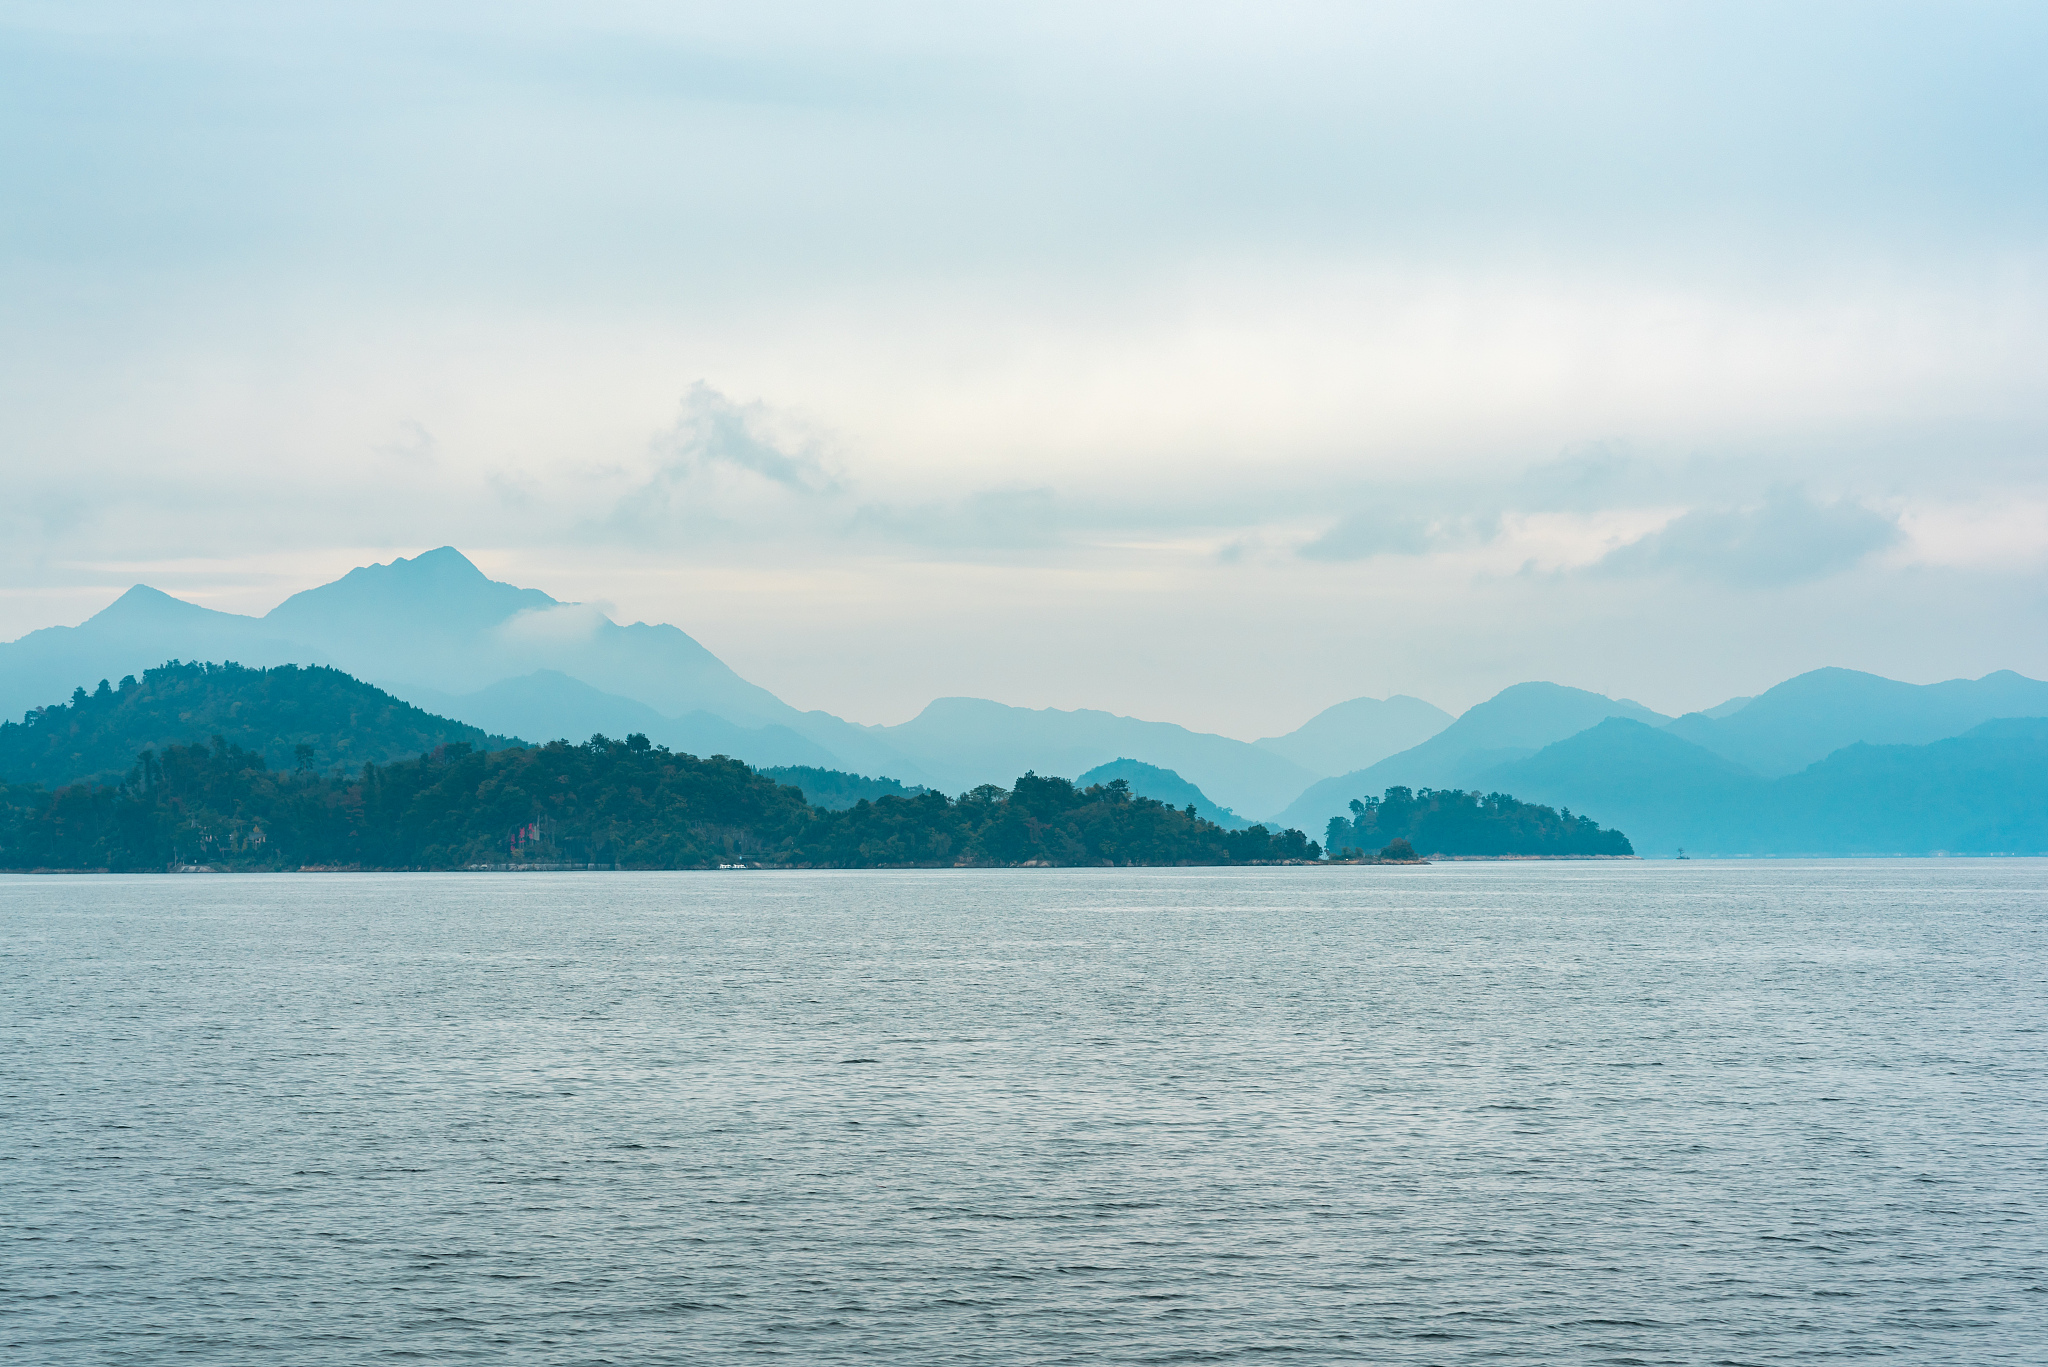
612	803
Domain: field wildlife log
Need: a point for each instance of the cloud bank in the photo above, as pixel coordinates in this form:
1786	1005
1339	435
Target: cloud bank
1787	539
1215	363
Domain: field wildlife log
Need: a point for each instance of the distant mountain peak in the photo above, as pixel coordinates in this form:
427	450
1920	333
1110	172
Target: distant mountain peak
442	555
443	567
441	590
145	604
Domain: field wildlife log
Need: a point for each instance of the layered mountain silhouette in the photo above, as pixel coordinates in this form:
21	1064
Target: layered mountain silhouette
436	626
1514	723
1833	760
1352	735
1807	718
961	741
511	660
141	629
1983	792
549	703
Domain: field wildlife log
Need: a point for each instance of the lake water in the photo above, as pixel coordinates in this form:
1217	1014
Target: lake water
1761	1112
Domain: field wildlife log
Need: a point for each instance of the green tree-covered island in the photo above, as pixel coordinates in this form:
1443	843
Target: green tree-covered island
484	801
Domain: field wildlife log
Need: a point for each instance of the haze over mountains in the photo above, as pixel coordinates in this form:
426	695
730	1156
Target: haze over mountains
437	631
1983	792
1515	722
1833	761
1354	734
1800	768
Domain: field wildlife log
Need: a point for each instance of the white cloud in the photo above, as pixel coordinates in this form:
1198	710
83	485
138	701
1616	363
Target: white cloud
1376	531
1788	538
564	624
2009	535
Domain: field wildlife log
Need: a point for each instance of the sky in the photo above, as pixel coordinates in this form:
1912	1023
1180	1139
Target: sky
1210	363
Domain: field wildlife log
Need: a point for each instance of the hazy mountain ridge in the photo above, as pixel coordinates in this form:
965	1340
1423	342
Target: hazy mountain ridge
514	661
1667	789
436	628
1354	734
549	705
961	741
1515	722
519	661
1984	792
1810	716
137	631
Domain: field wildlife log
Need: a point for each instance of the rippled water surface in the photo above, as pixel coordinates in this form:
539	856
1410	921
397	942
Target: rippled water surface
1628	1113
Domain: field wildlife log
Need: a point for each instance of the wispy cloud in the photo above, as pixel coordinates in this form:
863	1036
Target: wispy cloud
715	431
1374	531
1788	538
732	467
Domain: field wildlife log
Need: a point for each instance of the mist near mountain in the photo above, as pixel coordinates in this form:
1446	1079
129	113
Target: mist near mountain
1162	785
1513	723
1354	734
436	627
510	661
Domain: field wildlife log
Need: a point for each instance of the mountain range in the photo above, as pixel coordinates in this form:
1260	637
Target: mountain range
1806	766
435	630
1982	792
1514	723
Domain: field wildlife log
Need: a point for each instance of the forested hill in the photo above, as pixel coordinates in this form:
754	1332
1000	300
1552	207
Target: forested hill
292	716
1450	821
615	803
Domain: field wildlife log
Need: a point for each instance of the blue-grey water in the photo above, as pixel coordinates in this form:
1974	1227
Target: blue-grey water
1600	1113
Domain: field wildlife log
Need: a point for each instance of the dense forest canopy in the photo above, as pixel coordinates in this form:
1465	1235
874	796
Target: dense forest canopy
615	803
293	716
1451	821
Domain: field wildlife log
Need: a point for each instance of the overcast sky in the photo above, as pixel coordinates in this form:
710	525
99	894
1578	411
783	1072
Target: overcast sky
1207	363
